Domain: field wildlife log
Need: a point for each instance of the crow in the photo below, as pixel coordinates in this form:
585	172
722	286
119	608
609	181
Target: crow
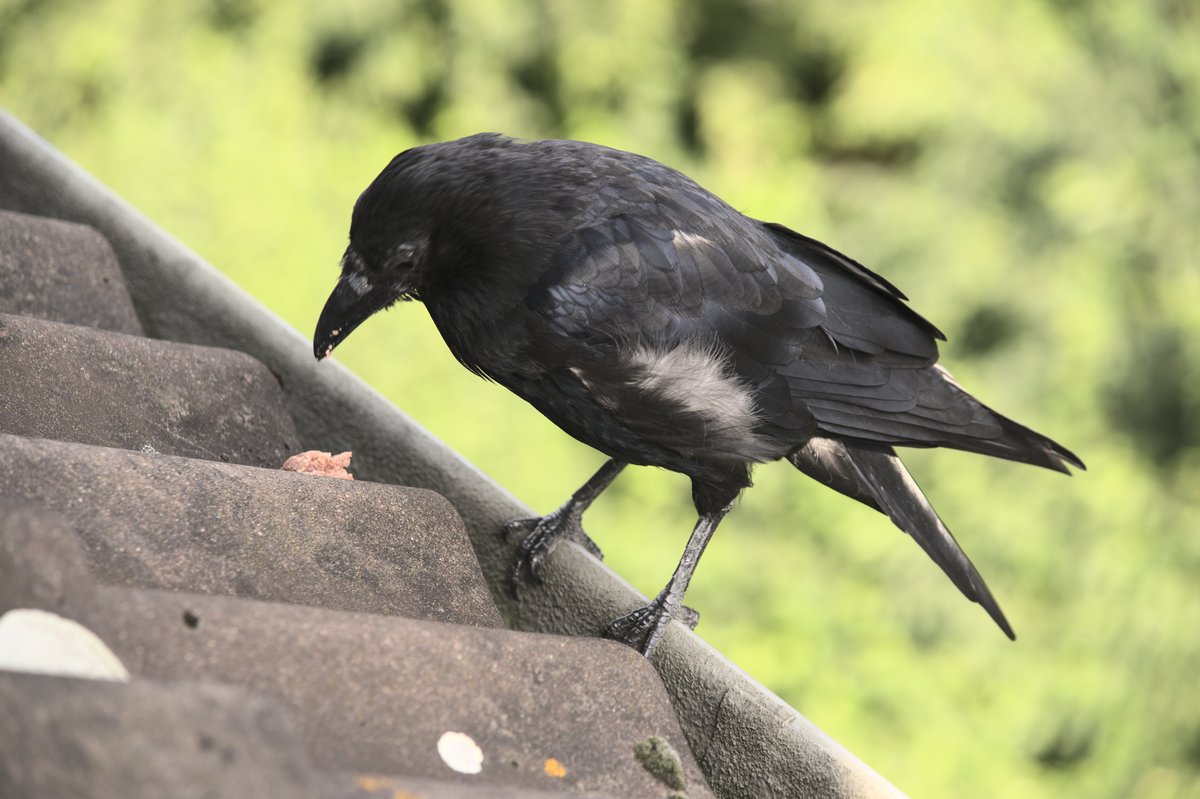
652	321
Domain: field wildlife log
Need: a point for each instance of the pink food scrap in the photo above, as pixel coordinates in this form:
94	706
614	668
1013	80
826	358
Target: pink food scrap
322	464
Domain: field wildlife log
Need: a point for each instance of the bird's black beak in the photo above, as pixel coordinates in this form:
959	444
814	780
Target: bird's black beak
353	300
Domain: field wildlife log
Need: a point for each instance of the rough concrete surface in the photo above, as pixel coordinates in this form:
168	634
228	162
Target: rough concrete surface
374	694
63	272
68	738
115	390
165	522
337	785
378	693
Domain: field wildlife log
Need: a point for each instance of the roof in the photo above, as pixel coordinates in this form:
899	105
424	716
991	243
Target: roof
261	630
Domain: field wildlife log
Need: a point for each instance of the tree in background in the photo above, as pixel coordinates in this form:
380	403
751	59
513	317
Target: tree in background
1028	172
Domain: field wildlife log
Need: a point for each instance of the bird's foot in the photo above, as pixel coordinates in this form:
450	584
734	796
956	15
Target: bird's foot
538	537
644	627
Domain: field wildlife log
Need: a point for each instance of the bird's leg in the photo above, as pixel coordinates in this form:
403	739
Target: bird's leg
539	535
643	628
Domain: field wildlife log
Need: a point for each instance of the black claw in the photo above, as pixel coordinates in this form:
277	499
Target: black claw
518	526
642	628
540	535
527	529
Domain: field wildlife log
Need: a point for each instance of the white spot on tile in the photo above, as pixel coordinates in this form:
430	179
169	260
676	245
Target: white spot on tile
460	752
45	643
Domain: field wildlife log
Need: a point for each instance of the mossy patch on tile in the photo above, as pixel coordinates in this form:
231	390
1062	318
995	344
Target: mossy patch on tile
661	760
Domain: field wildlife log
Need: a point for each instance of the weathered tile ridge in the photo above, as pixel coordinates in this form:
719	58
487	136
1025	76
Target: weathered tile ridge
63	272
319	637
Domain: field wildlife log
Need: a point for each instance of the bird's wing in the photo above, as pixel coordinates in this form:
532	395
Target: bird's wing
799	326
826	346
874	377
657	276
642	295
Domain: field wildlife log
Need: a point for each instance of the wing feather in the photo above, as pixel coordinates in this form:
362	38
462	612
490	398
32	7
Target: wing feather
827	346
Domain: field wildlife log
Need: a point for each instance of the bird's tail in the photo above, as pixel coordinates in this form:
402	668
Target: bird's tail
944	415
877	478
1019	443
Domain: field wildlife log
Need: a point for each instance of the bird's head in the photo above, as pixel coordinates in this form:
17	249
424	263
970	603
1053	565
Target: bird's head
388	259
370	282
428	213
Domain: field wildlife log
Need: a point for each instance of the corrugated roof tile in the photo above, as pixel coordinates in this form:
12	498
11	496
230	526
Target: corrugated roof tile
117	390
67	738
374	693
156	521
63	272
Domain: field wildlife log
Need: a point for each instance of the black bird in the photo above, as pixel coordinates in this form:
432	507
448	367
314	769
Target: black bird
650	320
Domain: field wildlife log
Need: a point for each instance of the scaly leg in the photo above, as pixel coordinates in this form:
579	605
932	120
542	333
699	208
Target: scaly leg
540	535
643	628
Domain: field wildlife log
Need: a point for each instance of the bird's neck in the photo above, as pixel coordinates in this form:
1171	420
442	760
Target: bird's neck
478	316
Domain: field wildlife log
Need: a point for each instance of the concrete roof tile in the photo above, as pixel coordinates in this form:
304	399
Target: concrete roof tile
166	522
377	694
342	785
117	390
64	272
67	738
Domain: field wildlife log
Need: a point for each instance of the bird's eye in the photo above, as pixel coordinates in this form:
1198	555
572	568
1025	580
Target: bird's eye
403	257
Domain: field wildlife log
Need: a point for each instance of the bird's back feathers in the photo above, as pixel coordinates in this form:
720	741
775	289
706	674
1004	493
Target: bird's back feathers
825	346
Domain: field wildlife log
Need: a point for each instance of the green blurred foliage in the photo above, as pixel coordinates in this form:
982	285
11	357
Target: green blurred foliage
1029	173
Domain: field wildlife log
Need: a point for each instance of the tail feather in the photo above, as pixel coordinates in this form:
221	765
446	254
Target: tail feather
922	407
878	479
1016	441
1030	446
